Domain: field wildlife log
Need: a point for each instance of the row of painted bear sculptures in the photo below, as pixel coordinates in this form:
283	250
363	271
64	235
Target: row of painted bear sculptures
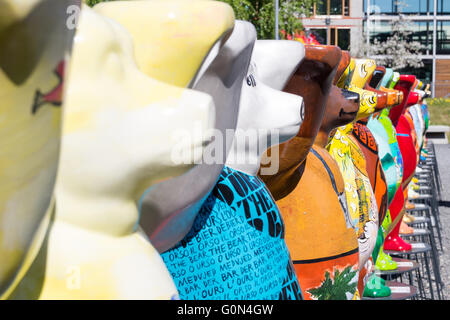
312	153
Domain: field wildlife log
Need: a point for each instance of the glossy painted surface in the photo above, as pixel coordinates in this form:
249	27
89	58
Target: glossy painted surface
276	75
404	84
237	241
393	241
312	80
426	114
375	288
354	79
383	260
419	124
169	208
386	157
382	96
265	109
369	147
394	80
413	132
344	148
236	248
377	77
360	198
165	30
93	249
393	173
187	43
404	132
407	148
387	78
393	144
32	82
319	233
364	69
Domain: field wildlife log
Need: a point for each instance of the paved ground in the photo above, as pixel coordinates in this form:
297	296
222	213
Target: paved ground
443	158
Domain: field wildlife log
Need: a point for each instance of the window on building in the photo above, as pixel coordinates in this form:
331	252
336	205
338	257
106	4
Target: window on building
336	7
343	39
422	31
393	7
340	38
320	34
379	6
347	8
425	74
333	36
422	7
443	37
443	7
332	7
321	8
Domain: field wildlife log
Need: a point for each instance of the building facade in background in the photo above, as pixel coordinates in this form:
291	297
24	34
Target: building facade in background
336	22
349	23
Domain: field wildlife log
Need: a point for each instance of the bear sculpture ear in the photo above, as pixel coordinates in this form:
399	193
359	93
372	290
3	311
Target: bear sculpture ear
312	81
156	26
280	60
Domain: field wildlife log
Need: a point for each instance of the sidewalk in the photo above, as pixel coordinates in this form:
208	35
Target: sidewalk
443	158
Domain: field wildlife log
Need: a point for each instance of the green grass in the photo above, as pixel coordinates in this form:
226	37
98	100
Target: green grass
439	111
92	3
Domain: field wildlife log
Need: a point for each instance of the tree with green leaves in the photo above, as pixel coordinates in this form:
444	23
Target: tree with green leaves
261	13
92	3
